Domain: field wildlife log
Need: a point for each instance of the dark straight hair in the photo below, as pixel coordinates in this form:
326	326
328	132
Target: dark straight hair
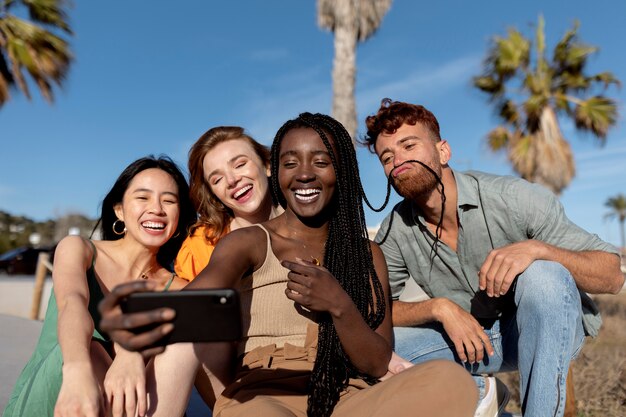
187	215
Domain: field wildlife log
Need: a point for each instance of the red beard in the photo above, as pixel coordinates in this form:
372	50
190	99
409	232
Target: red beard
417	181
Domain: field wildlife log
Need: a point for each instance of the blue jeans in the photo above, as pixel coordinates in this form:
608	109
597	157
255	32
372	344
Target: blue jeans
539	338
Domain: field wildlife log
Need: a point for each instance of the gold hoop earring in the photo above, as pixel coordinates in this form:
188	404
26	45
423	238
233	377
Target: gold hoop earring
116	224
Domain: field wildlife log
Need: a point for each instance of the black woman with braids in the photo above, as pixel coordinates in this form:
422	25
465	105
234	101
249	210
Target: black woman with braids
315	296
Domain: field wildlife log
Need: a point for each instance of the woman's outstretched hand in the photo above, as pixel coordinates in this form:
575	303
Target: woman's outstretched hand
119	325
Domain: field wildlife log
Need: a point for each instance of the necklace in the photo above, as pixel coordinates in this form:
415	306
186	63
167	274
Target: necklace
144	275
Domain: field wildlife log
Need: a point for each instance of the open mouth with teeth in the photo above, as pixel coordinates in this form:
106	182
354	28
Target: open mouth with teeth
242	192
153	225
307	194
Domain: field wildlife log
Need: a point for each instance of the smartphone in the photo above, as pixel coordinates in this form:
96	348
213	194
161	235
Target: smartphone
201	315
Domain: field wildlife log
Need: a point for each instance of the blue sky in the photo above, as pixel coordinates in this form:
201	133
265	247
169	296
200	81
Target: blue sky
151	78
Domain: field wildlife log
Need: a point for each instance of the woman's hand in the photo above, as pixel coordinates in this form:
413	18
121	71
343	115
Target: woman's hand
125	384
314	288
80	395
119	325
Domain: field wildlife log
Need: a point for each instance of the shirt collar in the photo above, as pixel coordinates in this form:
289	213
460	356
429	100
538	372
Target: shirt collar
467	190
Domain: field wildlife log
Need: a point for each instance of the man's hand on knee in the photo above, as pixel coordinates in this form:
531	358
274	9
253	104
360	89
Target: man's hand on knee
469	338
504	264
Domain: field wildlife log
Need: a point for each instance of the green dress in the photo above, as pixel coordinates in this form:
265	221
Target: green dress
36	390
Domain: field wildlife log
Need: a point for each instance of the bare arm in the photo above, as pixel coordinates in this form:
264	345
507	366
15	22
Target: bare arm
80	389
235	254
595	272
469	339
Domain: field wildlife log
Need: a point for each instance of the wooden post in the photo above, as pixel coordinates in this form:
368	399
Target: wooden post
570	398
40	280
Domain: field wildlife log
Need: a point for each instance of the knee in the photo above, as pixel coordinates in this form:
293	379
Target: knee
543	285
456	382
545	279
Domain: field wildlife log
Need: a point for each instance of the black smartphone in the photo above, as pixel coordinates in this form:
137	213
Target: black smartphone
201	315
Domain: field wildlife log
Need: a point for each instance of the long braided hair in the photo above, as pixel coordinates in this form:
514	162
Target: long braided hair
347	256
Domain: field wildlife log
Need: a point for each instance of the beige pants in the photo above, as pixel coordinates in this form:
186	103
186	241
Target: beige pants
273	382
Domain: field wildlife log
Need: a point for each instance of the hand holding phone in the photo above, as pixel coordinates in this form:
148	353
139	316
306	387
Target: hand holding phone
201	315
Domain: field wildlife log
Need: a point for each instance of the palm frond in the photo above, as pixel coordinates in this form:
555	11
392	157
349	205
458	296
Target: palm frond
596	114
510	54
536	148
44	55
509	112
370	14
489	84
50	12
498	138
607	78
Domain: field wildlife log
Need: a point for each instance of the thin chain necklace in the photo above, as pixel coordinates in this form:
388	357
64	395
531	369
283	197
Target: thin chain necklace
144	275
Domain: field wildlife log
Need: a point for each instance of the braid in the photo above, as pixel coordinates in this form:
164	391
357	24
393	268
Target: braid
347	240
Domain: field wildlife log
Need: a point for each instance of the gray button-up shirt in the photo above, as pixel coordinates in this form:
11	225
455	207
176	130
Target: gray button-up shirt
493	211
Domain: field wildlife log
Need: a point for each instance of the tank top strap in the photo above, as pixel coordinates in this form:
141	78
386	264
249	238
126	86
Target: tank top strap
269	241
95	253
169	282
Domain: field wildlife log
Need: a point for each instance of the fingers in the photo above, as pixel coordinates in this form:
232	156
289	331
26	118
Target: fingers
398	364
142	400
143	342
118	326
486	343
130	401
299	268
472	347
459	346
117	404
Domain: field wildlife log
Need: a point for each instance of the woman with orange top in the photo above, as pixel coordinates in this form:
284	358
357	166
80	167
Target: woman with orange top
229	187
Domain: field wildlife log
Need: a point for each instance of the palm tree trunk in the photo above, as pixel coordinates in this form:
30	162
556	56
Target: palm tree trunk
623	236
344	65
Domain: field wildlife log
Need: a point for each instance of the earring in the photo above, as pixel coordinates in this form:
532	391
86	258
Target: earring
176	235
116	224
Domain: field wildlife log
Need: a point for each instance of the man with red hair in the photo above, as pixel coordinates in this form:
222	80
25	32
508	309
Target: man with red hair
506	271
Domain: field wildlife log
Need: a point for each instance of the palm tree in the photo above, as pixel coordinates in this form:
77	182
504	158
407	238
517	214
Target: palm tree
530	92
29	45
350	21
617	205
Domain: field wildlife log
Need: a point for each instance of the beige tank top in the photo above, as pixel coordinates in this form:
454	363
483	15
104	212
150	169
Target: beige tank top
269	317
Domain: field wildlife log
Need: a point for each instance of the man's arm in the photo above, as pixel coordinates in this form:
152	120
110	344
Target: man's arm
469	338
594	264
595	271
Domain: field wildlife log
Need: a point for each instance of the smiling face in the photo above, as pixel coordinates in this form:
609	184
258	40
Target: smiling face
409	143
305	173
150	208
238	178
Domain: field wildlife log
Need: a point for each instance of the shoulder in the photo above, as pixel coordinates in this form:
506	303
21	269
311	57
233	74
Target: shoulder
507	184
243	238
74	245
71	254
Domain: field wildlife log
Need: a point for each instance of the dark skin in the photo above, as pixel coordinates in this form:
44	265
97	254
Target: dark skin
298	236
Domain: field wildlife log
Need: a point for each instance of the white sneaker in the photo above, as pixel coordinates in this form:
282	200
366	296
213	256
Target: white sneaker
496	398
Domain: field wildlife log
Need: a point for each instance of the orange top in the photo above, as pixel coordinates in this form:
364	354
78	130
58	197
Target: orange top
194	255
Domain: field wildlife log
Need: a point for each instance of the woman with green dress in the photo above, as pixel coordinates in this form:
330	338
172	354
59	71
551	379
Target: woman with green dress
75	370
